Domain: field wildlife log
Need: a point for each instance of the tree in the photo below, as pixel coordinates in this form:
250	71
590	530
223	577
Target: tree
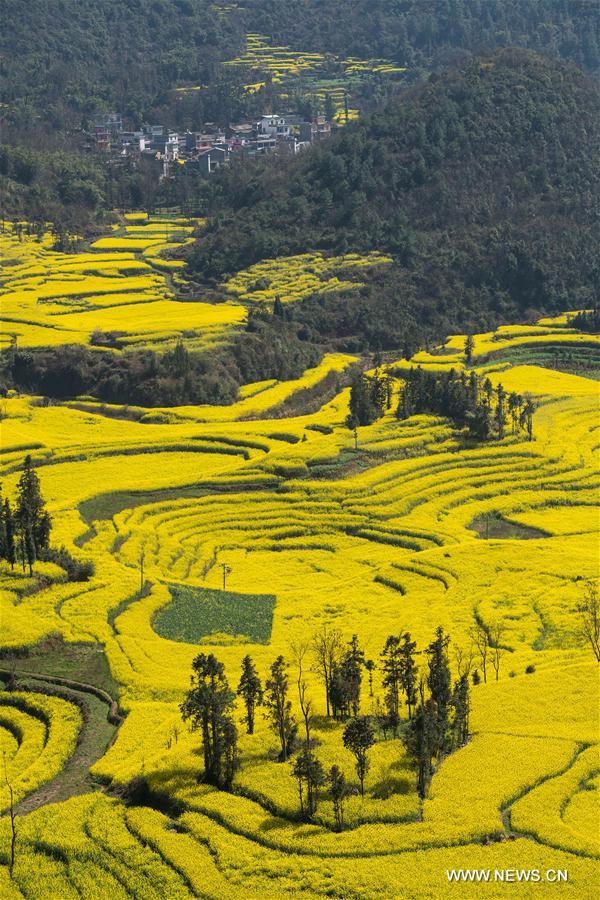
250	689
514	406
208	705
370	667
307	768
469	347
461	706
33	522
359	737
368	396
464	659
480	639
500	412
346	681
8	528
438	681
326	647
338	789
391	666
408	672
495	635
309	772
526	417
589	617
13	825
279	707
422	741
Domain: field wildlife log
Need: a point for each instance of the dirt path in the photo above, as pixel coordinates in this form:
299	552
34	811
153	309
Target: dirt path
101	721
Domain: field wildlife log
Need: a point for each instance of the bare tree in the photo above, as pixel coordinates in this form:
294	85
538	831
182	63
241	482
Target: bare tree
13	826
496	633
299	652
464	657
589	616
480	638
326	646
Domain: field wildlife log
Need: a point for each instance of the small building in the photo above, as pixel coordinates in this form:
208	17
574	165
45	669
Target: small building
107	128
211	159
274	126
316	130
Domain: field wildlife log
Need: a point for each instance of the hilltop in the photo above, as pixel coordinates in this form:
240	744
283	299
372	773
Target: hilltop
482	184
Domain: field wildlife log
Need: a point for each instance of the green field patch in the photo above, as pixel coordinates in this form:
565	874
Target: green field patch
495	526
205	616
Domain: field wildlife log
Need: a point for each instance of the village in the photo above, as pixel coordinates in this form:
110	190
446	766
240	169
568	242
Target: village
202	152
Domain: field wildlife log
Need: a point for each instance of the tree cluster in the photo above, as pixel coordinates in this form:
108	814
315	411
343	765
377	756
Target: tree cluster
25	524
437	720
587	320
440	723
370	396
470	401
269	348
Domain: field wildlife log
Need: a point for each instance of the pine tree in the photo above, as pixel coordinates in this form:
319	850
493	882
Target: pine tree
9	534
250	689
391	666
279	707
469	347
31	517
461	706
208	705
408	672
422	741
439	681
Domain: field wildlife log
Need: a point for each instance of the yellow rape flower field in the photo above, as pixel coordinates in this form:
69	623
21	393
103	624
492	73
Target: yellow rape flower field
121	285
282	64
374	534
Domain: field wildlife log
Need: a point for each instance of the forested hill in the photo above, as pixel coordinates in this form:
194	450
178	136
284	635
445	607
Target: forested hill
426	33
61	60
482	184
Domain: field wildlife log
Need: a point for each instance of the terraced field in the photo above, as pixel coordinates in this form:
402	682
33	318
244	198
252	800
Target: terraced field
372	538
122	286
319	76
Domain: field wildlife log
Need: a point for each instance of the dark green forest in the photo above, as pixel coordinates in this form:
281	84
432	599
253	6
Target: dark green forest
63	60
481	183
425	34
60	59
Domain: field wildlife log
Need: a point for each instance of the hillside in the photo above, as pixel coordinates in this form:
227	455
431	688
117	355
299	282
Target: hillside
426	33
481	184
63	58
182	63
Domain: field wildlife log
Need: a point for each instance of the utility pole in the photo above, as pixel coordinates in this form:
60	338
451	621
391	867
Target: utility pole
226	571
356	438
142	555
